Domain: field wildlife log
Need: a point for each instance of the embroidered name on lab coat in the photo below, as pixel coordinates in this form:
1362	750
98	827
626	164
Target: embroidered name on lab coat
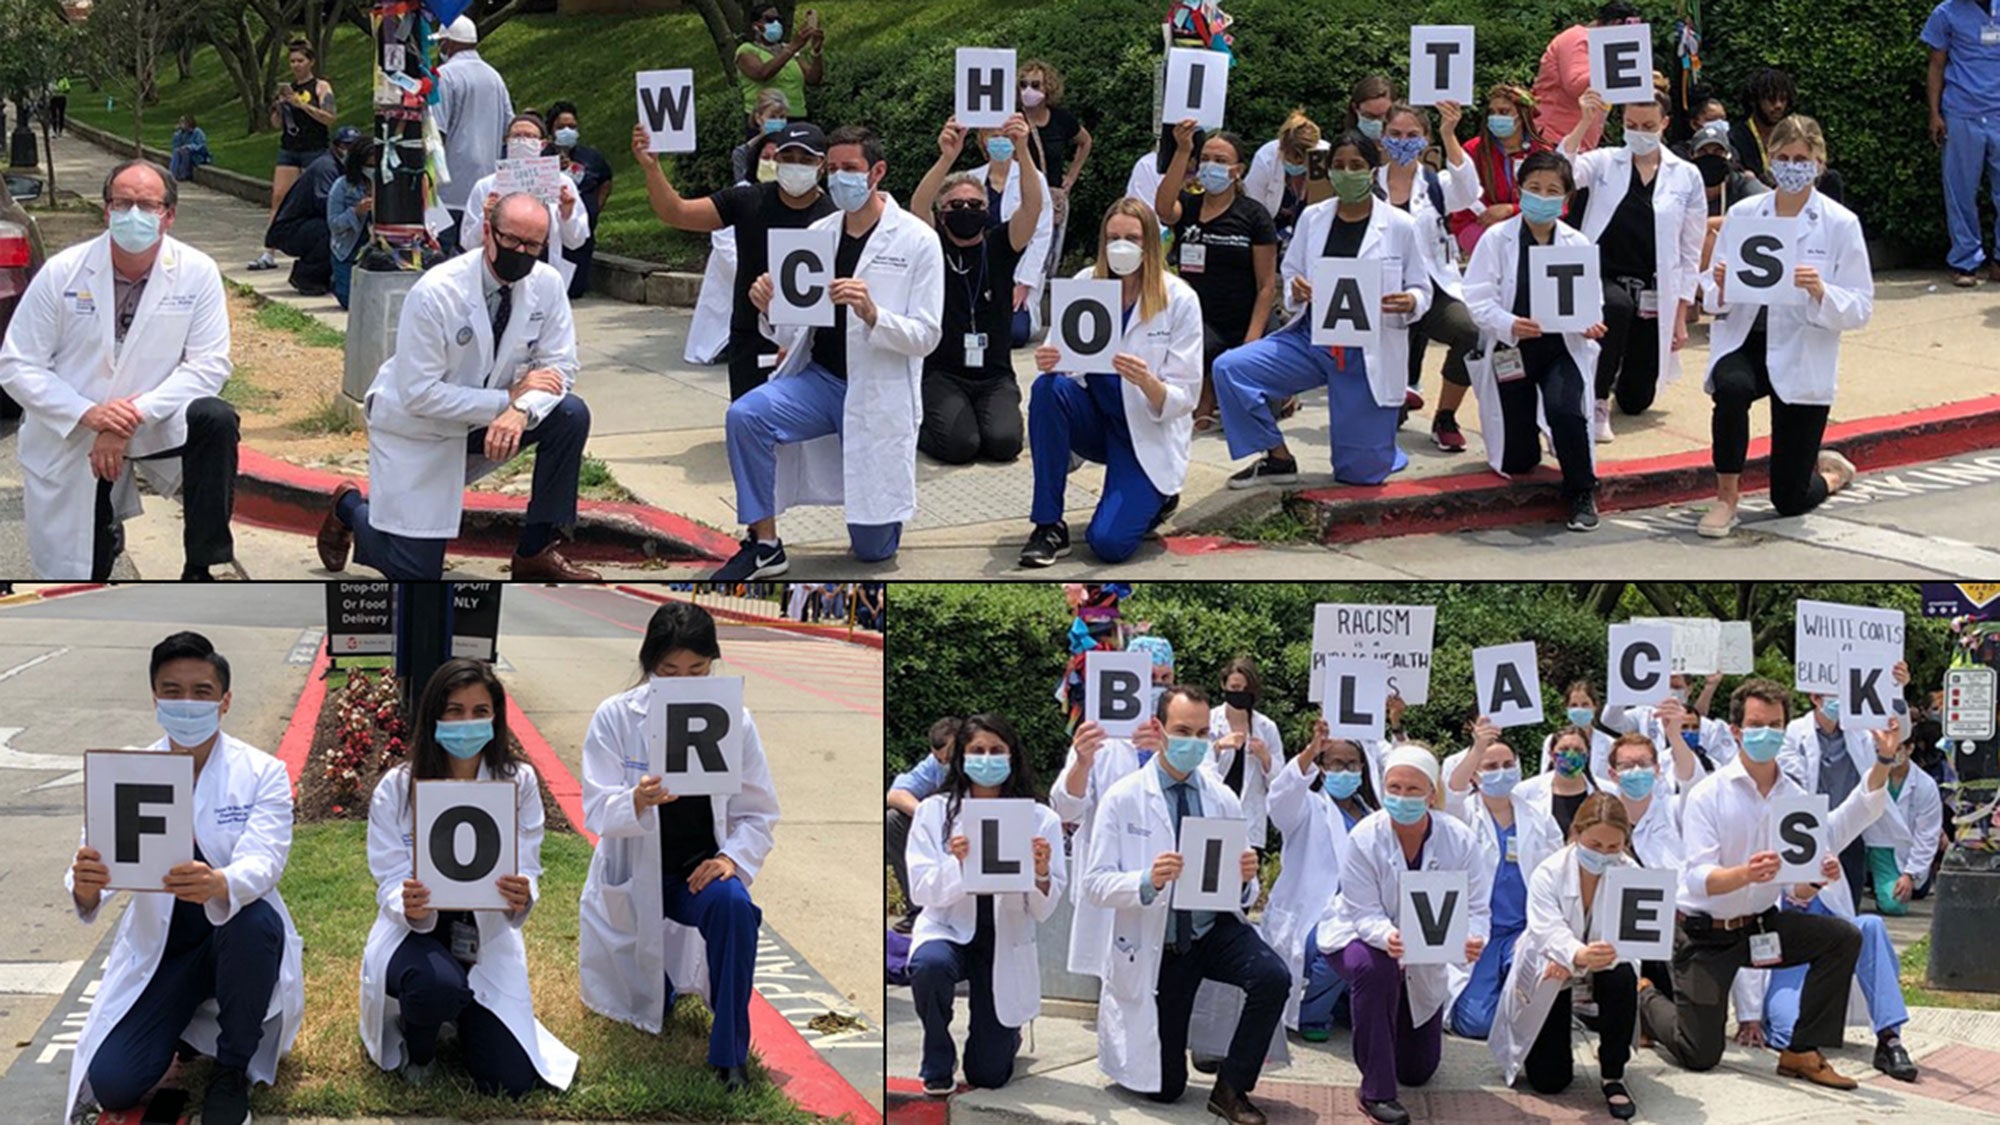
177	302
889	263
232	814
1138	830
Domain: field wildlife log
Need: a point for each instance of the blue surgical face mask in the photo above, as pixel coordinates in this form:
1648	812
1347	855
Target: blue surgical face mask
773	31
1342	784
1500	782
1214	178
1830	707
135	231
1292	169
1762	744
1000	149
1581	716
1692	738
1637	783
188	722
1405	810
771	125
849	190
1593	861
566	137
988	769
1570	761
1541	209
1186	754
1369	127
1500	124
464	738
1404	150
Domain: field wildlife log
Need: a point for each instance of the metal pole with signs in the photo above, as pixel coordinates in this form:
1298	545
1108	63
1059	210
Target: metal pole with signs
423	636
1969	699
475	623
360	620
1967	887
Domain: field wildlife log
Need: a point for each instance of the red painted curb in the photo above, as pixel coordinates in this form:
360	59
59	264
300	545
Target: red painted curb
909	1105
1481	499
286	497
75	588
562	784
297	743
864	637
810	1081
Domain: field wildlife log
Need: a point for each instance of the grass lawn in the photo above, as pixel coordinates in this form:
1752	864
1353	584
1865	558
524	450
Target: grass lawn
623	1074
1915	962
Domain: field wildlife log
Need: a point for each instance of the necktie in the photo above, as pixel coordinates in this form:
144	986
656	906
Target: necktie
1179	922
502	313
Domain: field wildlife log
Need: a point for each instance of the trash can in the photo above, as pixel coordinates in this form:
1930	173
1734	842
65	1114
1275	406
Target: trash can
374	305
1965	919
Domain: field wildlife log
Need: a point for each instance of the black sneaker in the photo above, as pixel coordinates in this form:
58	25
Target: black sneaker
228	1099
752	561
1267	470
1167	509
1583	512
1049	542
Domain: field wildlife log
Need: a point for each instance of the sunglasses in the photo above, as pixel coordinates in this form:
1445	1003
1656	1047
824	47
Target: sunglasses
1032	84
964	205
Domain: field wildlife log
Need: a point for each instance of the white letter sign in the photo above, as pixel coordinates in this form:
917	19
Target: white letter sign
1564	291
666	109
1086	323
1117	690
1868	690
464	840
1211	850
1761	254
1432	917
1641	911
1000	834
1621	63
1798	835
1197	85
1639	661
1346	303
138	812
985	87
1397	635
802	277
1357	695
1507	684
694	734
1441	64
1823	630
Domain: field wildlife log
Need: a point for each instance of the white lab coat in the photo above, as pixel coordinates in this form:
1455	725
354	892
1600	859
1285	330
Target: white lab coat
1717	740
446	379
1459	184
1090	924
499	979
60	359
1600	757
1033	268
1912	828
472	112
1265	181
951	914
1256	780
1656	838
1489	295
564	234
1802	346
1391	239
1170	343
1139	826
1144	182
1799	757
1371	878
249	845
871	466
1536	837
1680	224
1315	846
627	946
1556	930
708	333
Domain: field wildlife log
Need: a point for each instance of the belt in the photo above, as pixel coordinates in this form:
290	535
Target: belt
1726	924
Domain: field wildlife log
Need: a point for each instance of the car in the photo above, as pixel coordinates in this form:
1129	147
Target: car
20	256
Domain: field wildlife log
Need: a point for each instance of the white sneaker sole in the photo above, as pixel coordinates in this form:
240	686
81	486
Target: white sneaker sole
1259	482
1716	531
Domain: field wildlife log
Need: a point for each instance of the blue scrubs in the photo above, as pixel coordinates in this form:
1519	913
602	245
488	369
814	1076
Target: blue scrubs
1472	1016
1088	419
935	970
811	404
1968	32
1876	970
1251	380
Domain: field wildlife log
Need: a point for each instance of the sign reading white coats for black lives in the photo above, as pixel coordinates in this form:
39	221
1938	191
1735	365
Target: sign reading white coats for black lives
694	734
1441	64
1397	635
138	812
1697	642
1197	87
1868	689
1432	917
1211	850
1621	63
359	619
1759	257
1507	684
1565	293
1357	696
801	264
464	839
1346	303
666	109
985	87
1824	630
1116	690
1000	845
1638	663
1640	901
1798	835
1086	324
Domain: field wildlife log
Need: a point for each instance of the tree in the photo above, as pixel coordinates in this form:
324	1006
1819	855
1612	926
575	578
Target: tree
729	20
37	46
126	40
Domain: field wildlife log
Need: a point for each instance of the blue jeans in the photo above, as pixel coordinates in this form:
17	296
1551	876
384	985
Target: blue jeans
797	408
432	988
1971	146
343	280
1088	419
1876	970
990	1046
1251	379
728	921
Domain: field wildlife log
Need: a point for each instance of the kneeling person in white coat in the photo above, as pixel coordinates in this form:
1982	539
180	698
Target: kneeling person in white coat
837	422
485	366
214	962
985	940
1160	957
670	883
423	968
99	410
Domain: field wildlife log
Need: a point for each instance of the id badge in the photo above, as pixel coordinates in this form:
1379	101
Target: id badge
1194	257
1764	951
465	941
1649	304
1514	849
1508	365
1989	35
975	349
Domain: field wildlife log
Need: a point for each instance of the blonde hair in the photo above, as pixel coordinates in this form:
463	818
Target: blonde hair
1052	83
770	99
1600	808
1299	133
1795	128
1153	260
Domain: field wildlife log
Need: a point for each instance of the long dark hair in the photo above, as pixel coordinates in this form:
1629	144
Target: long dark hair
428	760
677	626
1020	774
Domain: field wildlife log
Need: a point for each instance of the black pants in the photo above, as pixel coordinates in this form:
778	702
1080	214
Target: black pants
1740	379
1556	387
1448	322
1690	1027
1854	868
433	989
58	113
752	358
896	844
1628	365
970	419
208	493
581	258
1232	953
312	271
1551	1064
1661	974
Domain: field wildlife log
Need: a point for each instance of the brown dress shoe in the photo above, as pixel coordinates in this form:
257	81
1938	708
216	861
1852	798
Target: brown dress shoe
336	538
1226	1102
1813	1067
548	565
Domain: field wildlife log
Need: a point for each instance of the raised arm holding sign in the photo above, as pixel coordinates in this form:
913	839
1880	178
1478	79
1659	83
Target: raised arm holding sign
694	734
138	814
1640	660
1621	63
666	109
1086	324
802	277
984	87
1507	684
1441	64
1197	87
999	834
1115	690
1211	850
1565	293
464	836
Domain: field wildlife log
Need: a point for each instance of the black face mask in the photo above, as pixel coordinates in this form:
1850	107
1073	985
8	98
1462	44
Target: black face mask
1714	168
966	222
1241	700
511	266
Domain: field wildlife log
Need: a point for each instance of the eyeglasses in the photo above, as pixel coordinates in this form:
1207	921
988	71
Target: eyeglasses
149	206
520	245
964	205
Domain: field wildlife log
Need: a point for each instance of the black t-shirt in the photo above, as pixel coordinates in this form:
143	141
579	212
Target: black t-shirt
1226	280
1565	808
1056	138
687	837
978	297
588	171
829	346
1625	249
1343	239
755	210
303	132
1544	349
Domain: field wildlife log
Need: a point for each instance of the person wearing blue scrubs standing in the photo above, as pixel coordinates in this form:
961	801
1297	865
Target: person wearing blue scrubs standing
1364	387
1964	90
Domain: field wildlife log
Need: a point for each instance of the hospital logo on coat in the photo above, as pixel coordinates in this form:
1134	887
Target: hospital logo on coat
465	335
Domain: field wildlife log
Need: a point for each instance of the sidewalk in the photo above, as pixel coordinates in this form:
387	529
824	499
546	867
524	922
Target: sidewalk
658	421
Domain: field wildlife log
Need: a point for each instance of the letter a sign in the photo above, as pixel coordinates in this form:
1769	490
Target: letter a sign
694	734
1507	684
1117	690
1347	303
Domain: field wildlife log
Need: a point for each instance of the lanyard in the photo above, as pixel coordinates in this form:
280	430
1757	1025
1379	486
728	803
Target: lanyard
973	290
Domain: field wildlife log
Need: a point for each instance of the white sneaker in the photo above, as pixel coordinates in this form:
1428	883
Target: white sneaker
1602	417
1717	522
1829	459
